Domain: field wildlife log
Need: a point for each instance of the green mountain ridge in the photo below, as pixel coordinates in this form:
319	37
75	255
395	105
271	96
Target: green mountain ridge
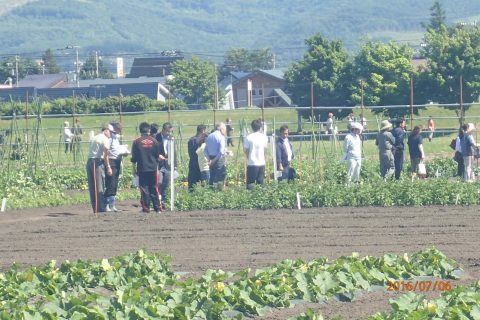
208	28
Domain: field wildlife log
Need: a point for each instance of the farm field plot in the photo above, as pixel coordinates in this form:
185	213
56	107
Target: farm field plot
234	240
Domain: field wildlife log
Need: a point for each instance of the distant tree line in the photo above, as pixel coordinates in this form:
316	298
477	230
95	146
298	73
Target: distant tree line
378	74
80	105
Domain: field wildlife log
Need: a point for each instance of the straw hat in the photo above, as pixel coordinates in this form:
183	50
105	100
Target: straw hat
385	124
471	127
66	124
356	125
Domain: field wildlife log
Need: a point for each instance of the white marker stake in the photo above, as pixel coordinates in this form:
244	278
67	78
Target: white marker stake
4	205
299	206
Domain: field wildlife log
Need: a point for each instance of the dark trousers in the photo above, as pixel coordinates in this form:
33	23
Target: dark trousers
194	175
398	160
111	182
96	184
164	183
148	183
68	146
460	164
218	171
255	174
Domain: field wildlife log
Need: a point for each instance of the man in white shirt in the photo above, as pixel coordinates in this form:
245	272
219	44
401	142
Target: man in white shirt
97	165
353	152
254	146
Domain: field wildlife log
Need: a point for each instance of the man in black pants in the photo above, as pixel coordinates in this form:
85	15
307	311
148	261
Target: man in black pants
194	175
399	134
145	153
115	154
98	166
164	139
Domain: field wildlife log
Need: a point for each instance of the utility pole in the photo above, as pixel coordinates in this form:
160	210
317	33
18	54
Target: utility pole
96	64
16	71
78	67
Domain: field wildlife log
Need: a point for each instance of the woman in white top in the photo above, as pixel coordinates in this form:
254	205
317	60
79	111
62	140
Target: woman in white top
67	136
353	152
202	160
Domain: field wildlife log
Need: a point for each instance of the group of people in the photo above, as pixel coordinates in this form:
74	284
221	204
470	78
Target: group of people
390	144
207	155
466	149
150	156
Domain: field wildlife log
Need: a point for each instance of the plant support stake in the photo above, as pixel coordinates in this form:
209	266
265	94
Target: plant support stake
299	206
4	204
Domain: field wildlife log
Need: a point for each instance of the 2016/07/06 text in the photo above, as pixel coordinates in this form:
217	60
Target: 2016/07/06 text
421	285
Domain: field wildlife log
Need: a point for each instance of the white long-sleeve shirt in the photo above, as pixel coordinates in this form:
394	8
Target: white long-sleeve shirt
353	146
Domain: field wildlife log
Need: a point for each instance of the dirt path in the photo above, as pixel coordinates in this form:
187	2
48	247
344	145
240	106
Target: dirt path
232	240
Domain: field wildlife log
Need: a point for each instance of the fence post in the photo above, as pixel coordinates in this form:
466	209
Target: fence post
171	162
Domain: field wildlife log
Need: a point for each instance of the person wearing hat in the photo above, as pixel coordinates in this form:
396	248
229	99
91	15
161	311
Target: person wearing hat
115	154
97	165
468	147
353	152
385	142
67	137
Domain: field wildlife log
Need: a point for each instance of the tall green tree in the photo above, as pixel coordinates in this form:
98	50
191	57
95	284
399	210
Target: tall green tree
89	69
437	18
195	81
49	63
241	59
452	55
326	65
384	71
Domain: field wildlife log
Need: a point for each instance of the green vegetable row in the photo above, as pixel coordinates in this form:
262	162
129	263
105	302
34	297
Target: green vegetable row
141	285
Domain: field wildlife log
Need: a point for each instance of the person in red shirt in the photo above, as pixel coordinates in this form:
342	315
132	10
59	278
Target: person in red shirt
145	155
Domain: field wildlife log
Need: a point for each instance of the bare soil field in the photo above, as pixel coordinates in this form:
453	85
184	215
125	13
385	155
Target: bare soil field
233	240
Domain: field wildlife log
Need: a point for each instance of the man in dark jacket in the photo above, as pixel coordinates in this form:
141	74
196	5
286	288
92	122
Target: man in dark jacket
399	134
145	153
194	175
284	155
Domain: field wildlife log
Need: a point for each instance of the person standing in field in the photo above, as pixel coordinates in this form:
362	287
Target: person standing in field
165	139
229	128
399	134
431	128
415	148
352	146
215	152
385	142
284	155
330	123
145	154
77	135
203	160
96	164
67	137
458	154
194	172
468	151
254	146
115	154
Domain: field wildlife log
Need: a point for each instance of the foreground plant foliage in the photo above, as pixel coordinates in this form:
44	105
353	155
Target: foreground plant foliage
141	285
460	303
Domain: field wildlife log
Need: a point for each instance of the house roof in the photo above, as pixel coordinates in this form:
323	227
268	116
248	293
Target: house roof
274	73
56	80
97	82
152	67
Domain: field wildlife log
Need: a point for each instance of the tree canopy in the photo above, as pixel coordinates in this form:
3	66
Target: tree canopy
195	81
